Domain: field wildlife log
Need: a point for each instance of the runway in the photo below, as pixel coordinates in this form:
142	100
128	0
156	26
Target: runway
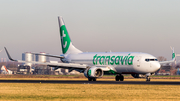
91	82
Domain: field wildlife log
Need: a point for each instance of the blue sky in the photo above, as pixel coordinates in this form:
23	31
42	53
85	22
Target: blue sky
149	26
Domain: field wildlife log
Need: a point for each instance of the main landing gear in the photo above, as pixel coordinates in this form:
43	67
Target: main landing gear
91	79
119	77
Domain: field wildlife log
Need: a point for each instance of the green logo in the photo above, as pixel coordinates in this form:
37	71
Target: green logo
113	60
89	72
65	40
173	55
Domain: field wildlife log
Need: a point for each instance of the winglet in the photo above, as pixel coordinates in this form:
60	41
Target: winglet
9	55
173	53
173	57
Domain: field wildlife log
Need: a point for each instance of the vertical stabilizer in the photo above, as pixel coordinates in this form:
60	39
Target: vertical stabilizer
173	53
4	68
67	46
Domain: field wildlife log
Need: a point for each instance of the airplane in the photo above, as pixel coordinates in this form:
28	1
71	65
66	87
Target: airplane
95	64
4	70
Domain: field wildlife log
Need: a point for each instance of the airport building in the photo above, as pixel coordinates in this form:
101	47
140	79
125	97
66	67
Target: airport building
27	56
3	60
178	71
41	58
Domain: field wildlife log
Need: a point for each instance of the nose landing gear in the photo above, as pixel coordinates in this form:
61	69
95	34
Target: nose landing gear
148	78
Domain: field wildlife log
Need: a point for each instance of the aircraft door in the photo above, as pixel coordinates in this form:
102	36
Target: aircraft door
138	61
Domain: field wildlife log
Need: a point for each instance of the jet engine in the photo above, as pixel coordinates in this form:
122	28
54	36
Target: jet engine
93	72
138	75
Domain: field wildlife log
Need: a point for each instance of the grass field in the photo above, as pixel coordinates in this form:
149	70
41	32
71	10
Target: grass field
85	79
82	76
87	92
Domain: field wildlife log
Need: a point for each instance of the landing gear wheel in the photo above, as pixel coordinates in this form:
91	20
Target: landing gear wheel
119	77
147	78
91	79
94	79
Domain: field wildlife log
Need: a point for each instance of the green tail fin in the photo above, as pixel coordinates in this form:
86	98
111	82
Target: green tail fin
66	43
173	53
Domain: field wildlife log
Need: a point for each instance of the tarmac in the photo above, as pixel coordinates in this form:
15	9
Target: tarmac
92	82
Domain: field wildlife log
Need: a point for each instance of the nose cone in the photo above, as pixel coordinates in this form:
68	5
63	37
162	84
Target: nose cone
156	66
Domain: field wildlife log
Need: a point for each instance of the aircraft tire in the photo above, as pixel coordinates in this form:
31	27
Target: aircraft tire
90	79
117	78
94	79
121	78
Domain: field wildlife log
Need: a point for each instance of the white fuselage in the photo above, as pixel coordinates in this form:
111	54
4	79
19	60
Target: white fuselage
123	62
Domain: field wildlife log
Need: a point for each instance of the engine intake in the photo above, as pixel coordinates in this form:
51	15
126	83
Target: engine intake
93	72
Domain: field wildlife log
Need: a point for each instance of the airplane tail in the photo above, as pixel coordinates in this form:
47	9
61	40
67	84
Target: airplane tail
4	68
173	53
66	43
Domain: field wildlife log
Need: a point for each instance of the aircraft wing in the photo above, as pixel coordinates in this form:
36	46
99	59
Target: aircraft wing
55	56
57	65
167	62
174	55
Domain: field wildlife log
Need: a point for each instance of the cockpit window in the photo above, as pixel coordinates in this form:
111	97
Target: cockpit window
151	60
147	60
